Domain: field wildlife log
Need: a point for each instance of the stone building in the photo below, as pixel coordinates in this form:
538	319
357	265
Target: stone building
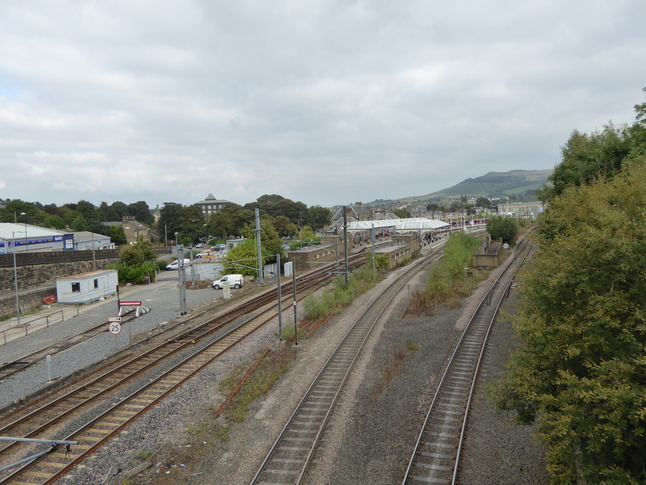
132	229
211	205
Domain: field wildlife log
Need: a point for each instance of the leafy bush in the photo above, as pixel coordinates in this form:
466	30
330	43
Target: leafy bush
448	279
504	228
135	274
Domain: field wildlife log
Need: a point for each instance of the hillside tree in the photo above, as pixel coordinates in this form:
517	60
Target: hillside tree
580	368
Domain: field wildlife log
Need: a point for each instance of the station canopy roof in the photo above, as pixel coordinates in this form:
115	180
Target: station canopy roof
414	224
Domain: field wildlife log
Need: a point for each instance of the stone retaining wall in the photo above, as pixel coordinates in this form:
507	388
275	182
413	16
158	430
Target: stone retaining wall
37	273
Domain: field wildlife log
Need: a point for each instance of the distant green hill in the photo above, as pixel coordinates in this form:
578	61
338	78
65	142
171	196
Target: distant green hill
493	184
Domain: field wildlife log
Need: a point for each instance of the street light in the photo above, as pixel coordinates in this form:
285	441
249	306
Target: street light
27	239
15	274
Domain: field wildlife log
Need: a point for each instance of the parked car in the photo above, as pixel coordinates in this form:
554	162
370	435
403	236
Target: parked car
200	245
175	264
233	280
220	247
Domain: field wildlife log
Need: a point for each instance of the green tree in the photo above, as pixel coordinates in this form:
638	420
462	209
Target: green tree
242	259
504	228
79	223
119	209
106	213
402	213
318	217
271	242
219	225
54	222
141	212
170	219
277	205
192	224
432	208
483	202
239	217
581	365
138	253
281	224
117	235
13	209
87	210
601	153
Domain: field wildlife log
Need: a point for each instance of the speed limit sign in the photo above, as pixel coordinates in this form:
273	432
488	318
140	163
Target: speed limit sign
115	328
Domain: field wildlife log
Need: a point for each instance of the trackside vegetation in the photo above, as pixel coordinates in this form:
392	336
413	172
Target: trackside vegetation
448	280
580	368
136	263
333	300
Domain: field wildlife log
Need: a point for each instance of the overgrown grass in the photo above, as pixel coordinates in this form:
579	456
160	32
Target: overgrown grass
206	433
448	281
259	382
335	299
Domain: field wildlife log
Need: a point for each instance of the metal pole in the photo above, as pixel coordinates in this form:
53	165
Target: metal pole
26	237
15	277
295	310
280	302
93	253
181	276
192	269
345	243
372	237
48	361
261	277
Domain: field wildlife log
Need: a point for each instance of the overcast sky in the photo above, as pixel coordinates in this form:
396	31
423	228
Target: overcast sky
323	102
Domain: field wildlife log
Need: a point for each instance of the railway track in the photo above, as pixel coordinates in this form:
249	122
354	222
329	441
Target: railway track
53	414
291	454
436	455
10	368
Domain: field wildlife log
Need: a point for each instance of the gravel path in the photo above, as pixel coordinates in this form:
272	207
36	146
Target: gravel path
370	437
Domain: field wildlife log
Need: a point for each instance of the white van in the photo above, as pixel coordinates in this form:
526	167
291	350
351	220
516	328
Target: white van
233	280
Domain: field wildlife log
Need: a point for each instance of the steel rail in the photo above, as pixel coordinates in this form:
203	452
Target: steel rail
291	454
435	455
310	281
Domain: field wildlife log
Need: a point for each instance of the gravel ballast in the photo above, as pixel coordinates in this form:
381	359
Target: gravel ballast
371	434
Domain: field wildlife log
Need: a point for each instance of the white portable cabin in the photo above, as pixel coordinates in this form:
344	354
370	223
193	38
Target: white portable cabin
87	287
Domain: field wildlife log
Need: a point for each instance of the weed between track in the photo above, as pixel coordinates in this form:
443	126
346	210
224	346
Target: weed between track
179	460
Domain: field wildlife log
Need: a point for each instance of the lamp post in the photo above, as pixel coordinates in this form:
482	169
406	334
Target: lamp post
15	275
23	214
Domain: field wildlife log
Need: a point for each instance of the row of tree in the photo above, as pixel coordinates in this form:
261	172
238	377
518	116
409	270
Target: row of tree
287	218
80	216
580	370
